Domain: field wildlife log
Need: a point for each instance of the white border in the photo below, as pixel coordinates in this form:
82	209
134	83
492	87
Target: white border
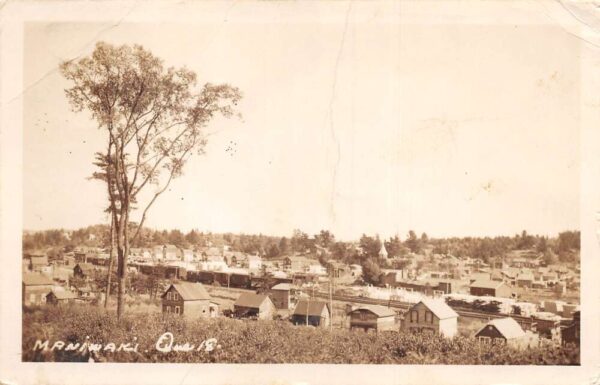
13	15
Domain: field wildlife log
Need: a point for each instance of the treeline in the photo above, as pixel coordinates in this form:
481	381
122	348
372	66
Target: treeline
563	248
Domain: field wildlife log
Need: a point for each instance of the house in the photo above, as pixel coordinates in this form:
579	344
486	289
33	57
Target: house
374	317
35	287
253	262
298	263
254	305
570	335
281	295
431	316
37	263
59	297
190	299
490	288
310	312
317	269
187	255
213	263
524	280
505	331
83	270
356	270
337	269
171	252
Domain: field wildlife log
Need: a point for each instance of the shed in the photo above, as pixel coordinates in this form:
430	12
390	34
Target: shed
373	317
59	297
486	287
254	305
309	312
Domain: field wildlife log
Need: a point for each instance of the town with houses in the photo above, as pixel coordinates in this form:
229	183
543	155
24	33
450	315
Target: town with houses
516	298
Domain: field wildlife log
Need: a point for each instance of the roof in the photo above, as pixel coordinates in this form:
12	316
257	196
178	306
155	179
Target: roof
315	308
525	276
190	291
64	294
487	284
378	310
85	266
250	300
439	308
39	260
508	327
33	279
282	286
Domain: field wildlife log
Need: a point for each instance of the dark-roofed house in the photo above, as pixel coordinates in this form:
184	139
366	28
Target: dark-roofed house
571	334
60	297
490	288
254	305
83	270
310	312
190	299
433	316
374	317
35	287
505	331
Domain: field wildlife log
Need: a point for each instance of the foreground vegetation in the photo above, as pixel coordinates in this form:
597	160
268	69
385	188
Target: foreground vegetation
257	342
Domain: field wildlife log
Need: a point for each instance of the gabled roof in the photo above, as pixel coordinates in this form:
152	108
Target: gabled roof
439	308
33	279
487	284
64	294
378	310
189	291
315	308
508	327
252	300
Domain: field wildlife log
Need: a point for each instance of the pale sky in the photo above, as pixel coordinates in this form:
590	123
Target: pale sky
377	128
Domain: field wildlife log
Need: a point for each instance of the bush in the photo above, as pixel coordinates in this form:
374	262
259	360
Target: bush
241	341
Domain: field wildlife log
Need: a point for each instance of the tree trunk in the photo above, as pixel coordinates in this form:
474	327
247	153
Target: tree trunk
111	259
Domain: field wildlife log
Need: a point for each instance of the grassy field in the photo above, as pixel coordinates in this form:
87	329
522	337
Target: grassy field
89	328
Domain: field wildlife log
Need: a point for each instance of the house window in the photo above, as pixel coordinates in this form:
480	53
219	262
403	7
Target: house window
414	316
177	310
32	298
429	317
499	341
175	296
168	309
485	340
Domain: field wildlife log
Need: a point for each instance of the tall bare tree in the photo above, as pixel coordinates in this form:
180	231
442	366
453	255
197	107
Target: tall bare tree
153	118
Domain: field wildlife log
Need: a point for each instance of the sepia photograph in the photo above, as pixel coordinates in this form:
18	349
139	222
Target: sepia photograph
372	184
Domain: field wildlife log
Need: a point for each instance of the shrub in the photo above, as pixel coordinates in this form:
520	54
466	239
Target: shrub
259	341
